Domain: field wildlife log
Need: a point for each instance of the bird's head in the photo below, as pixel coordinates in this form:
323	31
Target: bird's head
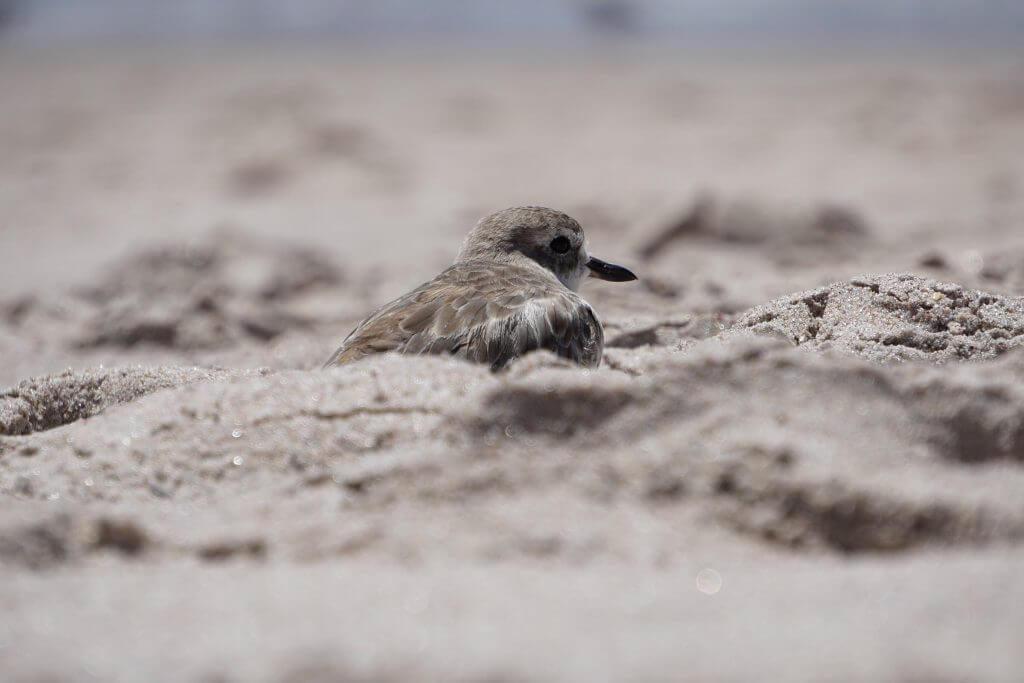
550	238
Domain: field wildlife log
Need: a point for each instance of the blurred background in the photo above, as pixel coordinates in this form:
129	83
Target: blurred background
731	151
700	21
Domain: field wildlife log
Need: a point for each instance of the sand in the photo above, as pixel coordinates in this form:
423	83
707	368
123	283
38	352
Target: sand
802	459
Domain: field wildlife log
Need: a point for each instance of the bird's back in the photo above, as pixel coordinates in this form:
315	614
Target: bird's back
485	312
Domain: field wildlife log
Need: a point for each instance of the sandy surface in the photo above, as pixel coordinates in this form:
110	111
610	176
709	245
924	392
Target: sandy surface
802	460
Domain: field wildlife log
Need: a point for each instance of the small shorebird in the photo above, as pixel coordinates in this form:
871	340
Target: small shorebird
511	290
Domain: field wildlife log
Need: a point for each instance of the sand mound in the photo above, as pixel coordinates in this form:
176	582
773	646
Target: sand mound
752	222
202	296
896	317
699	430
44	539
229	289
728	253
55	400
1005	270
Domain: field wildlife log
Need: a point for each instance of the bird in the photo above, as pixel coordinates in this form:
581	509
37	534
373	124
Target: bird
511	290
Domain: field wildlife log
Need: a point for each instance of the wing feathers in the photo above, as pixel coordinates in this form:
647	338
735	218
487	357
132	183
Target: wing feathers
472	313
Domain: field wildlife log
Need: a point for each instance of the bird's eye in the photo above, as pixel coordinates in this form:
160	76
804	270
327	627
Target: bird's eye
560	244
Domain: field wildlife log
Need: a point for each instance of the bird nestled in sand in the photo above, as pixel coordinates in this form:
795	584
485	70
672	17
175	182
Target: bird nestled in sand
511	290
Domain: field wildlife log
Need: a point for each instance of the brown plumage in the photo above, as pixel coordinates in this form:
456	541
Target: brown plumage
510	291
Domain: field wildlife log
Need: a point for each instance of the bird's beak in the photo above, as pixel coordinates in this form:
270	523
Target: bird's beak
609	271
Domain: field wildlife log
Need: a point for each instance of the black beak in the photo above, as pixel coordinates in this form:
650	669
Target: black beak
609	271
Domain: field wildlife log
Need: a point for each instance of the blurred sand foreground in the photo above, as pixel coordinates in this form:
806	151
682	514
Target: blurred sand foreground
790	467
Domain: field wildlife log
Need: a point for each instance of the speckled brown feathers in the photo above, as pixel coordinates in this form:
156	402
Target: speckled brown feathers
504	297
485	314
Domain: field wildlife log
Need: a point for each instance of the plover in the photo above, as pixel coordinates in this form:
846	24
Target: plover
511	290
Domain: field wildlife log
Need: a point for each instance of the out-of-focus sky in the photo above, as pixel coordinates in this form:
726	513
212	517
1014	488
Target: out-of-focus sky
695	21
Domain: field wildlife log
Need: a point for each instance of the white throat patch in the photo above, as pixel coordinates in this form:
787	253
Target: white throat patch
572	280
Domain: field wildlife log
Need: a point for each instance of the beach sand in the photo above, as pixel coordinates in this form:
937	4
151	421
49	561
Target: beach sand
802	459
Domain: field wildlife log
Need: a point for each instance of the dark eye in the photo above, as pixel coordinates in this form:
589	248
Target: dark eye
560	244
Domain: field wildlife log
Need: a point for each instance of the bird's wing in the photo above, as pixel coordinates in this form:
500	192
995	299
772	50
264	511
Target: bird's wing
483	314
